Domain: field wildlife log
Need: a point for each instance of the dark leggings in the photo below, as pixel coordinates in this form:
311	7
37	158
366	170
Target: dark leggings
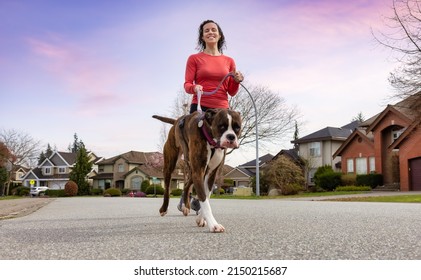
193	108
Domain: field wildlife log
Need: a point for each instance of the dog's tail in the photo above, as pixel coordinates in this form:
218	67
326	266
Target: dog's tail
164	119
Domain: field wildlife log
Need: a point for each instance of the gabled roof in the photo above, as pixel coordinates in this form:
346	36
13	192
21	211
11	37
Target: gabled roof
389	109
262	161
415	125
354	135
153	158
242	173
329	133
292	154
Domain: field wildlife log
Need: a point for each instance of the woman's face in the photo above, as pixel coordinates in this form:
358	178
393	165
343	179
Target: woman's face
211	33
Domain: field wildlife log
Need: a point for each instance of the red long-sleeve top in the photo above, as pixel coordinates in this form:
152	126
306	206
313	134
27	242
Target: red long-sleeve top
208	71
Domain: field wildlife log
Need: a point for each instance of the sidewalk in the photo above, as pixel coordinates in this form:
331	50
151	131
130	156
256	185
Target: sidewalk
12	208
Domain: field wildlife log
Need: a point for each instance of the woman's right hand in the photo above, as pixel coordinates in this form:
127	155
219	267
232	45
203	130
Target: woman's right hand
198	88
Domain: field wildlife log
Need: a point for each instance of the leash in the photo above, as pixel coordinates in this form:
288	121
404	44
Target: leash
200	92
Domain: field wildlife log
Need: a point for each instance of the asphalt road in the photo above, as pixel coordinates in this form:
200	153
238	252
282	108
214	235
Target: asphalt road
131	229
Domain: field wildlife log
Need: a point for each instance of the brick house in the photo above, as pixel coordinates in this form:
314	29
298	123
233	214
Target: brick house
389	144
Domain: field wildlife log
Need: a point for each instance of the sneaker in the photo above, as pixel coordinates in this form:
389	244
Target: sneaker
195	204
180	204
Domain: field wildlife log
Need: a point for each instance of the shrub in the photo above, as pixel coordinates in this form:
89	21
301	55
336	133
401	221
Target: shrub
151	190
320	171
219	191
329	180
55	193
112	192
70	188
348	180
176	192
139	194
145	184
21	191
353	189
264	184
372	180
97	192
125	191
285	175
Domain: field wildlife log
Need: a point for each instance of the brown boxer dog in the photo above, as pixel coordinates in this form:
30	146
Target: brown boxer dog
202	138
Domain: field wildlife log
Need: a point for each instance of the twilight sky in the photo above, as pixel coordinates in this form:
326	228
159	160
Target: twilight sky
101	69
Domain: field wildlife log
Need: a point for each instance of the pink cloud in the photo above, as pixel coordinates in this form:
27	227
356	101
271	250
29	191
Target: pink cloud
86	77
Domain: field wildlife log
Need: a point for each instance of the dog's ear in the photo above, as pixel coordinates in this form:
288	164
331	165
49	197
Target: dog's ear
210	114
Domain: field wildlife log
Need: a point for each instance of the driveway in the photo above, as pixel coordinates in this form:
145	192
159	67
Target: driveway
130	228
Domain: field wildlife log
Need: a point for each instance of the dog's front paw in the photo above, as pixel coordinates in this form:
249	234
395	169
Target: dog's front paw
186	211
163	213
217	228
200	222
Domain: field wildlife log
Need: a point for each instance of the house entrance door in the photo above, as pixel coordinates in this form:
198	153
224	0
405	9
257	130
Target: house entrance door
415	174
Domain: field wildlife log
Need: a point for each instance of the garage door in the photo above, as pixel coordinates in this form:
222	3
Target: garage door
415	174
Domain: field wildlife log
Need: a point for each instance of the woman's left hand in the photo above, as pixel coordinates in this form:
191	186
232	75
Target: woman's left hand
238	76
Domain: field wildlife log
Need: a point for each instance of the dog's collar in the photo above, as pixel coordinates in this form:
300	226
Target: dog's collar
205	132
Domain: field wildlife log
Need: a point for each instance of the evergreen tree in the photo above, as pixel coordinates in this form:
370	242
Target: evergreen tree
296	132
82	167
45	154
77	144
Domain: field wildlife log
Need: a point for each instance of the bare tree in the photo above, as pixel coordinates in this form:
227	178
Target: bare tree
403	36
276	120
22	146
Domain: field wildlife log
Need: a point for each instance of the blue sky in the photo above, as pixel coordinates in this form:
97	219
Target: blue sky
101	69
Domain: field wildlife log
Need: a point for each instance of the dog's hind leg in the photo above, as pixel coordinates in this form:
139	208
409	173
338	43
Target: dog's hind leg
170	162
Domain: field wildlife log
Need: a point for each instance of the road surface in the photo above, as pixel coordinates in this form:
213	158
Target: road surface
100	228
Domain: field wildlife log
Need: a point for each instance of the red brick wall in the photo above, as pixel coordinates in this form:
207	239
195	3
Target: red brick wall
410	148
359	147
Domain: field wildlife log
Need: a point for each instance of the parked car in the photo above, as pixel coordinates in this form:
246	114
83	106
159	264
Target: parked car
38	191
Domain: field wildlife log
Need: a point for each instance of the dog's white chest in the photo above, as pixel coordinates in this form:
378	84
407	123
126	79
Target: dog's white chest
215	159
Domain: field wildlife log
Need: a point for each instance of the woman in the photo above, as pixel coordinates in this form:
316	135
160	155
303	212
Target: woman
206	69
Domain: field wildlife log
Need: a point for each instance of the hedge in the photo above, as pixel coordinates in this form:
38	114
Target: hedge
373	180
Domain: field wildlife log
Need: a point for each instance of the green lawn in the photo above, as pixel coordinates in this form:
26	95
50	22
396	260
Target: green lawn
397	198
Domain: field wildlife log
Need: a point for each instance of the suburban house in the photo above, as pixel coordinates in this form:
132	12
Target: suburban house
18	173
129	170
242	174
54	171
389	144
319	147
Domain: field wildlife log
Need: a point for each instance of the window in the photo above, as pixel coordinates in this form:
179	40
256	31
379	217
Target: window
62	170
361	164
372	162
120	168
136	183
47	170
350	165
396	133
314	149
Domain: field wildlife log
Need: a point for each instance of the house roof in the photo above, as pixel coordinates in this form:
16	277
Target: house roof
404	107
292	154
405	135
262	160
152	158
70	158
329	133
389	109
355	134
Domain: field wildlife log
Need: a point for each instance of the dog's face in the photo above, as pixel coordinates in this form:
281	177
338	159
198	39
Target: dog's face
225	126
